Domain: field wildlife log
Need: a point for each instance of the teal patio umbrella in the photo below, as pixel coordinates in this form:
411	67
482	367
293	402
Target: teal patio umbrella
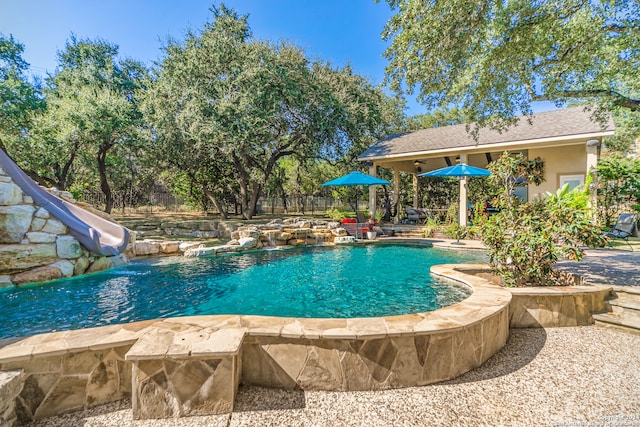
355	178
461	170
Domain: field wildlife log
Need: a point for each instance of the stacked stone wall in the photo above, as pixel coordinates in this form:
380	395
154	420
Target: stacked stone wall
35	246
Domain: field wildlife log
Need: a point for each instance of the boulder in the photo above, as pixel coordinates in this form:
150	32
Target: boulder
296	242
10	194
100	264
146	247
41	237
40	274
37	224
205	234
42	213
23	257
54	226
170	247
5	281
247	242
185	246
199	251
284	236
252	232
67	247
15	222
65	267
81	266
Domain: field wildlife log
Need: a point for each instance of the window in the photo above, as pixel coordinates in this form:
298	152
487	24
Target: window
573	181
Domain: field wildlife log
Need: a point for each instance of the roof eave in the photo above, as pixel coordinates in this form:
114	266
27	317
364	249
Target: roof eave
498	146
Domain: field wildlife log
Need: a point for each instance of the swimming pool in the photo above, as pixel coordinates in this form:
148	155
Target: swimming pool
354	281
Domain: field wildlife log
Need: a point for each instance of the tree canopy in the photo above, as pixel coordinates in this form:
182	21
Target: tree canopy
225	108
19	98
494	58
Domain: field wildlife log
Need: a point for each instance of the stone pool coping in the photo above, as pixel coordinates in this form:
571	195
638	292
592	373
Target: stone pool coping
168	365
487	299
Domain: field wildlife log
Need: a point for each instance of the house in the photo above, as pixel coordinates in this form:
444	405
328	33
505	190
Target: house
568	141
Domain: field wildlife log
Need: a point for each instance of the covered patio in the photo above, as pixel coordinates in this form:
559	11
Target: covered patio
567	141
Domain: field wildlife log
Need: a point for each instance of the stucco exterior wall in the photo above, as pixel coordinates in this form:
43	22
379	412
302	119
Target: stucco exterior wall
564	160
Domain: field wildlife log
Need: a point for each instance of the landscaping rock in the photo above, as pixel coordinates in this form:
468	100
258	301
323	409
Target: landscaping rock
18	257
146	247
40	274
100	264
248	242
199	251
41	237
81	266
54	226
15	222
67	247
185	246
65	267
170	247
10	194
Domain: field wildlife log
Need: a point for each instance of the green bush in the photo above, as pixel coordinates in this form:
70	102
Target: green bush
525	240
337	214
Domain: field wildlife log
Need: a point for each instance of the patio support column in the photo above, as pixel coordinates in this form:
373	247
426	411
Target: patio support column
463	195
396	194
415	190
592	163
373	171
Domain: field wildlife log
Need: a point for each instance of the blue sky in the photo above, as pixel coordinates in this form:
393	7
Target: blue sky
339	31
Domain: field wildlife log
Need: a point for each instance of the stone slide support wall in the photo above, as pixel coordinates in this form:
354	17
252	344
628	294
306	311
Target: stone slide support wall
34	246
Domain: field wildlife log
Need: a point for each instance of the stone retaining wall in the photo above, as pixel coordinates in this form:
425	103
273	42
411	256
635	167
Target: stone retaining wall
36	247
176	361
11	384
549	306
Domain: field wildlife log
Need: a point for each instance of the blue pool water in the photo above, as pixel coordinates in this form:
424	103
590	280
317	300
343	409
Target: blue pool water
358	281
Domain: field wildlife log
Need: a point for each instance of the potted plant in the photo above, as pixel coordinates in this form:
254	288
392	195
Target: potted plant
372	234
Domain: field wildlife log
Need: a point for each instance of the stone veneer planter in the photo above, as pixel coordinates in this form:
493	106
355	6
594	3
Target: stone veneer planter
193	365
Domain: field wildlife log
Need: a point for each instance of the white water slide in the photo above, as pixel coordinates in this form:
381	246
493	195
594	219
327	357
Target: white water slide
94	232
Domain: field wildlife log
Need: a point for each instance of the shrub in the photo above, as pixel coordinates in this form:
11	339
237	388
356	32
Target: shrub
525	240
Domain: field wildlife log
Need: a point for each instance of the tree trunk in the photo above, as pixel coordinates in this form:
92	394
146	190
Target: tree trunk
104	183
216	202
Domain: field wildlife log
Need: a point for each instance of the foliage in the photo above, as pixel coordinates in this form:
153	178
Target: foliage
524	240
493	58
430	227
618	186
436	118
226	108
456	231
337	214
453	216
627	124
19	99
91	114
480	218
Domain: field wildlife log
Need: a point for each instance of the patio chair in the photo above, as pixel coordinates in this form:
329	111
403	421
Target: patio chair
625	227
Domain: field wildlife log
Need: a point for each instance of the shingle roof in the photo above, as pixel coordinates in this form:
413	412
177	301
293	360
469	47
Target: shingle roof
551	124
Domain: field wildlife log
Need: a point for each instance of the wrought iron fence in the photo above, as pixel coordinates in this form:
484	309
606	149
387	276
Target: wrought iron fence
161	201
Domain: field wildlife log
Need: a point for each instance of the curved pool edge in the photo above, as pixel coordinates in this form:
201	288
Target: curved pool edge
159	361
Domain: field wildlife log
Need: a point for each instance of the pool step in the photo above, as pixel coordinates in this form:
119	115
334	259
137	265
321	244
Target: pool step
622	310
